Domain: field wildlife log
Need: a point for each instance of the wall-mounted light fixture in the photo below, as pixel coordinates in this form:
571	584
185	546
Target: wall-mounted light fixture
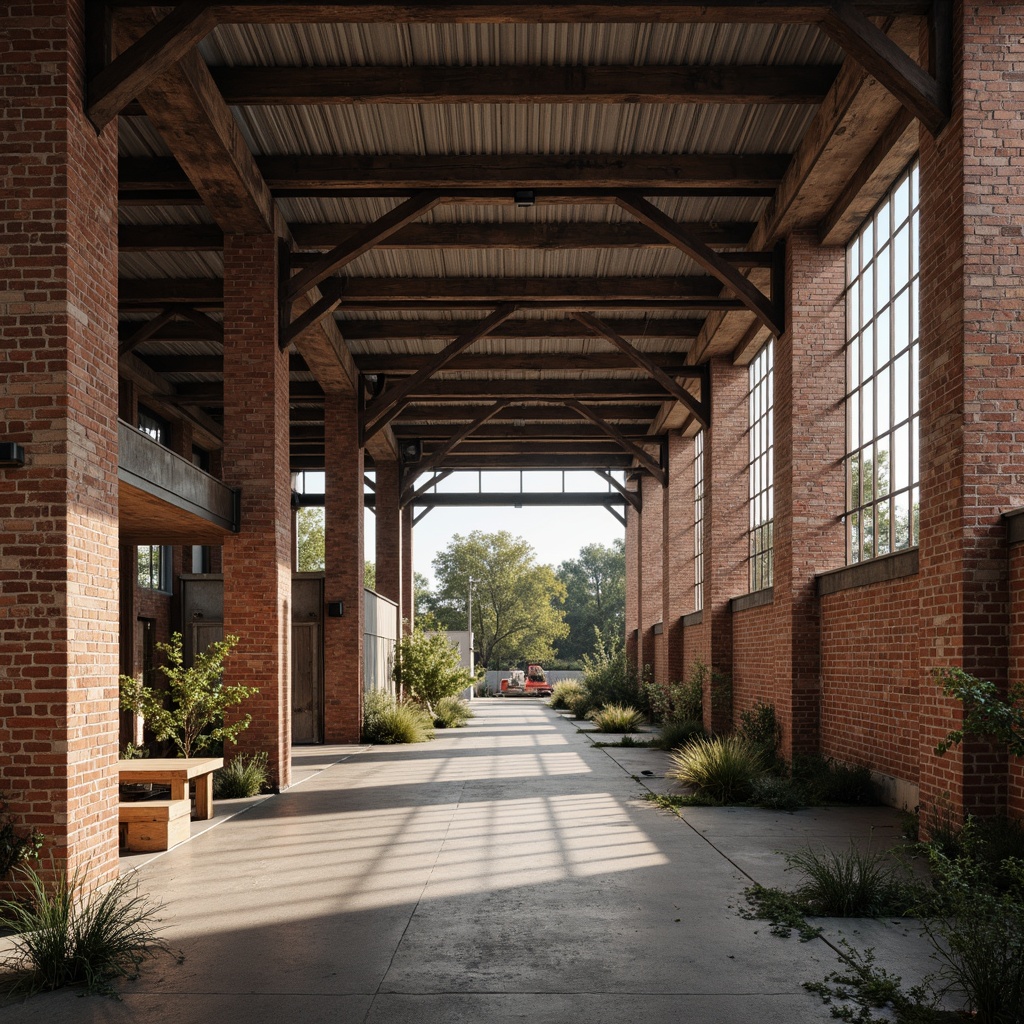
411	451
335	609
12	455
525	198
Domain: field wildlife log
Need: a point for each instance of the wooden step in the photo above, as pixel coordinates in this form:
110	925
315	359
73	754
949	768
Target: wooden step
147	825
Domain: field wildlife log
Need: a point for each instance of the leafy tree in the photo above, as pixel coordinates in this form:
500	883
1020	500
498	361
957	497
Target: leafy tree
370	575
310	534
595	585
431	668
190	712
517	613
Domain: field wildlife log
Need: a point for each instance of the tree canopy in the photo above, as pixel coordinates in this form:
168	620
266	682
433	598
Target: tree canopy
517	613
309	527
595	586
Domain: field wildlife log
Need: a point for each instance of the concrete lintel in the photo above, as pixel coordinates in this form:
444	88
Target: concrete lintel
876	570
757	599
693	619
1014	525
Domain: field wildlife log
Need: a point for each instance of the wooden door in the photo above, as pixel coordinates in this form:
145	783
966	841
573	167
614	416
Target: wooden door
307	683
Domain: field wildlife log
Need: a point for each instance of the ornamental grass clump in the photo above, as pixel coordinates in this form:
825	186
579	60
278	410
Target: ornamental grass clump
851	883
65	936
385	720
722	770
616	718
564	693
241	776
678	734
452	713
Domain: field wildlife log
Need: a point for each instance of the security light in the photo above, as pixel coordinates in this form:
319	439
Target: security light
12	454
411	451
525	198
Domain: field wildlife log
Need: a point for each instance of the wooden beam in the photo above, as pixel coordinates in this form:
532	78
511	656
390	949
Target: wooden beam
146	59
895	148
652	467
506	173
640	327
633	498
431	463
538	235
186	109
524	458
535	499
317	311
362	241
169	238
867	44
432	482
591	388
671	363
316	86
146	331
763	12
623	411
699	407
374	414
575	292
574	431
768	311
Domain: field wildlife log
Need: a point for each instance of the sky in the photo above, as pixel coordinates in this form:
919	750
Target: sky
556	533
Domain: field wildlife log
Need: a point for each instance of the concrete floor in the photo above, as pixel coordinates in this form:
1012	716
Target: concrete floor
506	871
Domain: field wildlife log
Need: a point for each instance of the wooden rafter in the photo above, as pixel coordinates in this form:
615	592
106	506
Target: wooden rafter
575	431
423	488
538	235
622	411
506	173
634	498
431	463
255	86
651	465
672	363
699	407
867	44
362	241
146	331
376	414
318	310
146	59
767	310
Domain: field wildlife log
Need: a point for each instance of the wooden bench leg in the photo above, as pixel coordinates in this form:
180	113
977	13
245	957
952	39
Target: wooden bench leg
204	797
179	789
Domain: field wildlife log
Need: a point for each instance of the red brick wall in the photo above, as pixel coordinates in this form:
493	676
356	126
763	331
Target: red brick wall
725	528
388	533
676	555
1015	781
258	560
632	586
870	677
755	652
58	362
972	391
408	575
810	444
343	515
650	569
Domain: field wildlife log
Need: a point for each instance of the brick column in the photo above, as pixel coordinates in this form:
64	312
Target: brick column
408	573
810	445
650	573
388	534
632	584
726	519
343	515
58	513
258	560
676	555
972	460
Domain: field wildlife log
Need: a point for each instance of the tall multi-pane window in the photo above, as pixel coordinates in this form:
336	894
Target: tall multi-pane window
882	495
153	567
698	521
761	404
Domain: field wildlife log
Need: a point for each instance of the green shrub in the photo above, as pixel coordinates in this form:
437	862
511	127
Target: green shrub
853	883
760	727
677	734
190	712
607	678
776	793
721	769
831	782
385	720
429	667
452	713
17	845
241	776
564	692
67	937
677	702
616	718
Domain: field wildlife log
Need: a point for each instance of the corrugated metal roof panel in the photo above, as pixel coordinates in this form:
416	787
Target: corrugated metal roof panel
170	264
487	129
497	44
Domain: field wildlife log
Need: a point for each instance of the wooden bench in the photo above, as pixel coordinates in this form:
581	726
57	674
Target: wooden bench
176	772
147	825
